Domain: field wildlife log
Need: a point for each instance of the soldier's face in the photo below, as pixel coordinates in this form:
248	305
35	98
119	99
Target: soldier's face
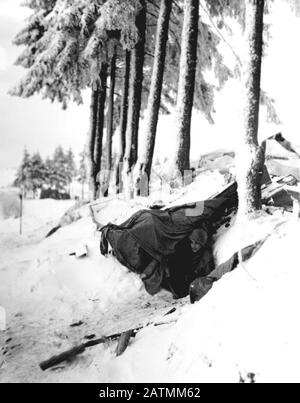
195	246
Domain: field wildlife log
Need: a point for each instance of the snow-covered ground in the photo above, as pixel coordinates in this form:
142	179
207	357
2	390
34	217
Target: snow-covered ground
244	329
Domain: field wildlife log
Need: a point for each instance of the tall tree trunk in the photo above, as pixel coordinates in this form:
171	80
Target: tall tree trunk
186	85
110	121
155	91
251	154
123	122
91	142
100	125
135	89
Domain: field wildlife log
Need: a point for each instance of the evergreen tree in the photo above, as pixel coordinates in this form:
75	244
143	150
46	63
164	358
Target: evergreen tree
98	149
32	34
251	158
23	179
49	169
37	173
123	121
82	172
110	120
32	173
67	45
114	24
67	55
53	57
156	87
92	142
110	113
60	175
135	88
186	84
71	166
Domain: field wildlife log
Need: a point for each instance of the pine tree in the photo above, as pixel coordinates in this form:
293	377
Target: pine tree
123	121
100	126
82	172
32	173
155	88
37	173
110	113
60	175
135	89
110	119
31	36
251	158
114	23
68	43
53	53
92	141
49	175
186	84
71	166
23	179
70	50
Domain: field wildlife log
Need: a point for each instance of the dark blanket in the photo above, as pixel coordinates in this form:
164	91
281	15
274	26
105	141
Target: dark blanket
158	232
148	240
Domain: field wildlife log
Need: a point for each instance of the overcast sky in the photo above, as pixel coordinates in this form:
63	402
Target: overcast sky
34	123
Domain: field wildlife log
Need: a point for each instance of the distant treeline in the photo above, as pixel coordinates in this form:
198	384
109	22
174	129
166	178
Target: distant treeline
50	177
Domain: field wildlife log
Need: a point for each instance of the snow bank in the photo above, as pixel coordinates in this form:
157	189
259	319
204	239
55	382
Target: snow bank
245	327
54	279
243	330
38	217
242	234
69	281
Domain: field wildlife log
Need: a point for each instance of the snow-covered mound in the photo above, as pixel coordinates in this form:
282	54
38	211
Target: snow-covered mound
60	278
244	325
38	217
275	150
245	328
280	167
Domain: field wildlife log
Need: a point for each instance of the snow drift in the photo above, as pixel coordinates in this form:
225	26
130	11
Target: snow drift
243	330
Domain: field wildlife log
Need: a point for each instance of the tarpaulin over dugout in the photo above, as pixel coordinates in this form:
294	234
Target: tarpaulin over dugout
158	232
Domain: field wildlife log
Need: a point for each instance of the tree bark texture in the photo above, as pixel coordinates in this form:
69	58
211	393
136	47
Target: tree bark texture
186	85
251	154
110	114
135	89
91	141
154	99
123	121
100	125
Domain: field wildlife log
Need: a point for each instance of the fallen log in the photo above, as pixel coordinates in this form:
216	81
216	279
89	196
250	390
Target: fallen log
66	355
74	351
123	337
